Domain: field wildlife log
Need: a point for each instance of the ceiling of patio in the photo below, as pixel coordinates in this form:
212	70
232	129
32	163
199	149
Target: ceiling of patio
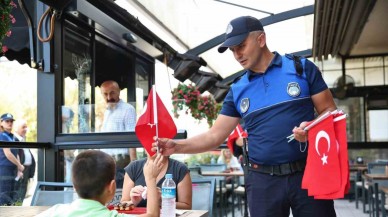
187	24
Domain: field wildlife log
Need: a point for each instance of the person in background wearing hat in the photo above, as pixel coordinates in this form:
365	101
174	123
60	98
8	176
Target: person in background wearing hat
272	98
26	158
10	167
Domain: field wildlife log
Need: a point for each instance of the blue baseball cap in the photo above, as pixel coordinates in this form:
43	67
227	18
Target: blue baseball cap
7	116
238	29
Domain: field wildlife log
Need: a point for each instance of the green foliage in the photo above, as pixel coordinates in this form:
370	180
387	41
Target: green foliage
203	158
201	107
6	21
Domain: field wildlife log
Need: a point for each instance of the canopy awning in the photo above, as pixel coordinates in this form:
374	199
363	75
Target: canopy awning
19	42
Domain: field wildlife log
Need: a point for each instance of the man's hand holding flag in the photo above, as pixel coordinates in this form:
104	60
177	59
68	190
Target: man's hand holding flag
237	133
327	170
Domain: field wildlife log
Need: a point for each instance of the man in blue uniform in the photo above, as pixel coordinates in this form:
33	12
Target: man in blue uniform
272	97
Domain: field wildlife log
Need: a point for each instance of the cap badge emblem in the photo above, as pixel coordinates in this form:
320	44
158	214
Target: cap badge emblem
229	28
293	89
244	105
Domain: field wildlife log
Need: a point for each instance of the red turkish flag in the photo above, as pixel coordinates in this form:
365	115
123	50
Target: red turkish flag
238	132
322	174
154	121
340	132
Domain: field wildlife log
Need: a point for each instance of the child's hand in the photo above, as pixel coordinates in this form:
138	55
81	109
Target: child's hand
153	166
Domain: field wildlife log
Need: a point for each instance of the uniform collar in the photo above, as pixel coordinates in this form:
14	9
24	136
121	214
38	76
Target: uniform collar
276	62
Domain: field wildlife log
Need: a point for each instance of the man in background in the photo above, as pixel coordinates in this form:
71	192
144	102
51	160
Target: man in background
119	116
26	158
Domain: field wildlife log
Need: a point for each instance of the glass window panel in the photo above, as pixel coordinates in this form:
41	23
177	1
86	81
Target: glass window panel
378	125
386	70
142	79
356	63
331	64
374	76
357	75
368	155
331	77
122	160
85	109
77	66
373	62
354	108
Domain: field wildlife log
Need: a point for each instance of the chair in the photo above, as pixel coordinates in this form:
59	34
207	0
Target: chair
358	186
241	196
117	197
51	193
221	187
373	196
195	172
203	194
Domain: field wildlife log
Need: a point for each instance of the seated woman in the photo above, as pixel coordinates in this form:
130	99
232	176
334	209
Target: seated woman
134	182
227	158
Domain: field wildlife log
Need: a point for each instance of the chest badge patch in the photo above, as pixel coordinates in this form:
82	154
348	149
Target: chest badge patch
293	89
244	105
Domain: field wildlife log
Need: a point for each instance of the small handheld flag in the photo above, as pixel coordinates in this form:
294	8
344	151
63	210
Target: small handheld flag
154	121
237	133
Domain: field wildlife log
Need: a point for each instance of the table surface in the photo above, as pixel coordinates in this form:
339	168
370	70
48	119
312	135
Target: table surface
28	211
218	173
384	189
355	168
376	176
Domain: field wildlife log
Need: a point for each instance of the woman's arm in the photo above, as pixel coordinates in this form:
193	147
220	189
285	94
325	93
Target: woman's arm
130	188
13	159
184	190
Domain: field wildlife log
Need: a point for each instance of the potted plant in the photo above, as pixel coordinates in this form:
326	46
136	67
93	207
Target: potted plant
189	98
6	21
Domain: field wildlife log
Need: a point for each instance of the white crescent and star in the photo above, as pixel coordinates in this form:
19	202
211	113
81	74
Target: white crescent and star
322	135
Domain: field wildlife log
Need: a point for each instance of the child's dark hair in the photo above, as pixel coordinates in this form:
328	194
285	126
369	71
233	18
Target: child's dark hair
92	170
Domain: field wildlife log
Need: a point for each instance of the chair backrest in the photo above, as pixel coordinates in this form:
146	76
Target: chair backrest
117	197
195	172
377	167
203	194
51	193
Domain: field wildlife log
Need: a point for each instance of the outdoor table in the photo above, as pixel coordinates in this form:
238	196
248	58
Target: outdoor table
218	173
358	168
29	211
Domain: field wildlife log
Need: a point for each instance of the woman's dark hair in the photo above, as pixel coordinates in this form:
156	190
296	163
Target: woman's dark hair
92	170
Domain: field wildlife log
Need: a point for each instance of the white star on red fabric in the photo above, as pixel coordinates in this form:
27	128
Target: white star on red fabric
324	159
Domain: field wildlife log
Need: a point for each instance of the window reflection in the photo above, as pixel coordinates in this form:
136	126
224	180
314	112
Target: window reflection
121	162
89	61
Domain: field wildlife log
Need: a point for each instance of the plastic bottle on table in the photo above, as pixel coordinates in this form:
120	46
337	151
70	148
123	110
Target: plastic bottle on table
168	197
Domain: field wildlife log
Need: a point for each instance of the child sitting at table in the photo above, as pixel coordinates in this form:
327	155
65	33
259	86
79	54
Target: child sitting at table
93	176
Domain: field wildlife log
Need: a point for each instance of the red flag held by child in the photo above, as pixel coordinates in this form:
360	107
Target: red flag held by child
154	121
238	132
